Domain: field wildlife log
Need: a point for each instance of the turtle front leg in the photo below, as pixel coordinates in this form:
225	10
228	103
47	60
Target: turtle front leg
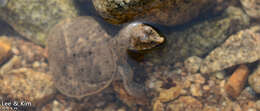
132	88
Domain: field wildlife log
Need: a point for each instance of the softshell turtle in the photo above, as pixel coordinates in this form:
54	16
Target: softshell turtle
85	59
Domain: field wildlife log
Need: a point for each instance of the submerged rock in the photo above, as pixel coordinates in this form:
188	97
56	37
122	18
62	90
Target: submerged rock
125	97
57	106
166	12
254	79
172	93
252	8
33	18
243	47
237	81
165	96
192	64
186	103
200	38
5	49
26	84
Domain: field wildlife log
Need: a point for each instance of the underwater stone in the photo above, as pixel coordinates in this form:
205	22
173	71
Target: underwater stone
237	81
252	8
29	85
3	3
254	79
192	64
5	49
33	18
240	48
166	12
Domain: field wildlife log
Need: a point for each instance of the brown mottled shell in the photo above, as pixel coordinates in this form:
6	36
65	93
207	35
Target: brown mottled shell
81	60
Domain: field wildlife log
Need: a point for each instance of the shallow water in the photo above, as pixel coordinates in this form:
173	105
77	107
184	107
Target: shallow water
165	63
87	9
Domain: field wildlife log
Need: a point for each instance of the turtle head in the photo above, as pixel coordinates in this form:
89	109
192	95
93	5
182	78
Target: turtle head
144	37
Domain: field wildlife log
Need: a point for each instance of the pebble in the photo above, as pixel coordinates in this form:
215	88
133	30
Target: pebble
156	85
252	110
44	65
5	49
210	108
196	90
29	85
186	83
28	50
222	86
166	95
15	51
236	82
183	92
110	107
236	107
199	79
125	97
170	94
192	64
36	64
220	75
158	106
196	78
122	109
211	83
30	54
185	103
56	106
206	88
254	79
258	104
250	106
16	60
243	47
246	95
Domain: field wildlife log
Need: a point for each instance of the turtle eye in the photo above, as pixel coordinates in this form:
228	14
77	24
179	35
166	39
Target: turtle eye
152	42
74	54
89	53
143	38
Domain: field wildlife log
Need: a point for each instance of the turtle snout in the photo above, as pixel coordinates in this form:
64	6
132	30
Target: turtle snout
158	39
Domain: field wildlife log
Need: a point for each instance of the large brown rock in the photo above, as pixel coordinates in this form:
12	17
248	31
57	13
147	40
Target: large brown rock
166	12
